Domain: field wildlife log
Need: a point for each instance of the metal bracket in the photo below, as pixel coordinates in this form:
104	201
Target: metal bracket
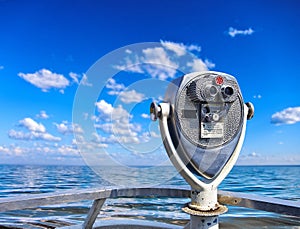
93	213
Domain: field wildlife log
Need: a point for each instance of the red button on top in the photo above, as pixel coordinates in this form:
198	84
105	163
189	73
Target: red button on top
219	80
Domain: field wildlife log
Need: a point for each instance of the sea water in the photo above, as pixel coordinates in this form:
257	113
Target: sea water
16	180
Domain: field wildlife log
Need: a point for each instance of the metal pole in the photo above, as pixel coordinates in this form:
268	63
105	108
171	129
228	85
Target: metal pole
204	209
204	222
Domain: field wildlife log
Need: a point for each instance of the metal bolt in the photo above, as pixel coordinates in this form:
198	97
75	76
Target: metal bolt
155	111
250	110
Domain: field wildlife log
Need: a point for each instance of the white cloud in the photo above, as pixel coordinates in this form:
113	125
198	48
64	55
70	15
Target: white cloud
102	142
43	151
209	64
45	80
98	138
97	141
4	149
289	115
117	123
234	32
146	136
46	137
75	77
147	116
179	48
84	81
62	128
119	113
125	138
104	108
161	65
36	131
17	150
13	150
257	96
253	154
19	135
110	113
197	65
120	128
154	134
163	61
114	87
32	125
258	159
194	48
131	96
1	67
80	79
67	150
131	65
68	128
42	115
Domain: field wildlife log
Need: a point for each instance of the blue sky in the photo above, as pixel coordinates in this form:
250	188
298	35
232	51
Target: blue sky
47	48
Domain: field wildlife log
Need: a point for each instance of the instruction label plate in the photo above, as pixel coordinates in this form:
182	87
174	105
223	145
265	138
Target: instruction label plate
212	130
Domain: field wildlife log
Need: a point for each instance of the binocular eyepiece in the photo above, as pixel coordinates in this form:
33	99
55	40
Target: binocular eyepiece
227	91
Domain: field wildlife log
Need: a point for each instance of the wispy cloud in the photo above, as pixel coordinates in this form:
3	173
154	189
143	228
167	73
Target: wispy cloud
45	80
126	96
13	150
42	150
106	110
68	150
131	96
75	77
289	115
1	67
4	149
234	32
198	65
114	87
259	96
35	131
80	79
165	60
146	116
260	159
32	125
179	48
68	128
20	135
159	65
117	123
42	115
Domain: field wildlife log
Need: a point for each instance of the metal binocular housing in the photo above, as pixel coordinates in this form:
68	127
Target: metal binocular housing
202	123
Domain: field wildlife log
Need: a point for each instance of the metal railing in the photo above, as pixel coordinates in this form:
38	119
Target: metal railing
269	204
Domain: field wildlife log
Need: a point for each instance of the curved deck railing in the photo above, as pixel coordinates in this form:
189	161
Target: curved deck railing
269	204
